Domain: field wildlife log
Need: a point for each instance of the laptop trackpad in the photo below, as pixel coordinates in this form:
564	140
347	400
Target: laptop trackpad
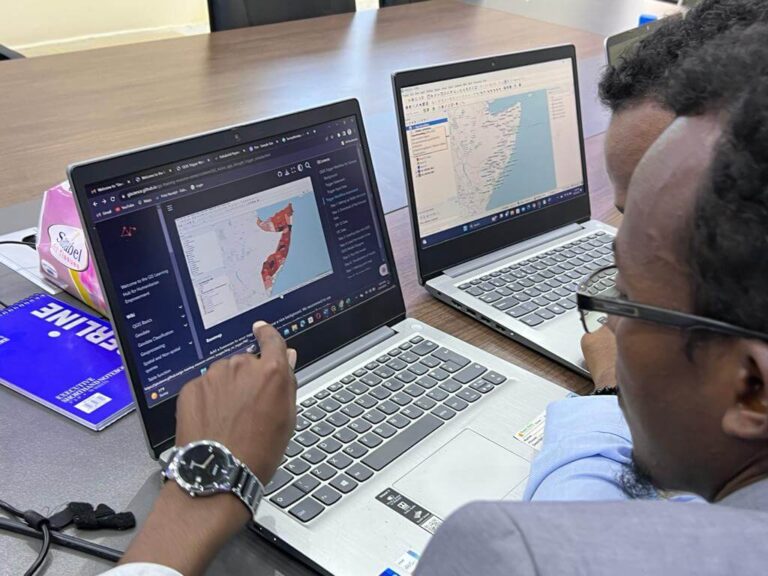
469	467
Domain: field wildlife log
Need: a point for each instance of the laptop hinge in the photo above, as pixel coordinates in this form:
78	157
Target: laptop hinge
342	355
507	253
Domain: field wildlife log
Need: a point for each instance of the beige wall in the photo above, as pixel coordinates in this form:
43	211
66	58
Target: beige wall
30	22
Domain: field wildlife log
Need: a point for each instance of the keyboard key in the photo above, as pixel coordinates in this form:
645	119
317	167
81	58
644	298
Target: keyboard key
345	435
551	297
413	412
322	394
490	297
314	414
343	396
343	483
451	367
313	456
307	439
327	495
475	291
302	423
360	426
388	407
495	378
393	385
532	292
414	390
482	386
348	379
307	483
360	372
335	387
427	382
397	365
399	421
469	395
443	412
374	416
322	429
324	472
405	346
470	373
287	497
357	388
418	368
406	377
401	399
450	386
503	292
541	301
309	402
280	479
409	357
356	450
424	348
370	440
340	461
292	449
395	352
449	356
424	403
297	466
329	445
380	393
385	430
352	410
370	380
456	403
384	372
338	419
546	314
359	472
416	340
430	361
507	303
437	394
329	405
408	438
567	303
532	320
366	401
439	374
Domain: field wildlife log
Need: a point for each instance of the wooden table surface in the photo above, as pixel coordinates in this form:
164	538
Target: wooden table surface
59	109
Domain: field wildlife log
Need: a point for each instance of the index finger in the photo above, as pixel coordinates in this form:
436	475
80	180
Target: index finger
271	344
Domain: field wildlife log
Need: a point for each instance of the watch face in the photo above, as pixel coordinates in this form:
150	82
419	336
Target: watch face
205	467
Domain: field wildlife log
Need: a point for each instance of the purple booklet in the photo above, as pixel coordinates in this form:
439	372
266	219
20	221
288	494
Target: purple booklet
64	359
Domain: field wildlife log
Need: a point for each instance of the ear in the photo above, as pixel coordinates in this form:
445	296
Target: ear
747	416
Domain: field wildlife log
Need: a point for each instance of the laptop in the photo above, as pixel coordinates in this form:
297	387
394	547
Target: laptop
497	186
398	423
619	44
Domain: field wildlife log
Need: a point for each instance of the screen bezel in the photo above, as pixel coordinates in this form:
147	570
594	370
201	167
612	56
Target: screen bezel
386	308
433	260
632	34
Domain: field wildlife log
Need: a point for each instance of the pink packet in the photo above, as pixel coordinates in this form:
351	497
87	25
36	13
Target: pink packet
61	247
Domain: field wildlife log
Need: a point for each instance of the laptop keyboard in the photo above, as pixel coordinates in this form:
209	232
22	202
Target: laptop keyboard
543	287
356	427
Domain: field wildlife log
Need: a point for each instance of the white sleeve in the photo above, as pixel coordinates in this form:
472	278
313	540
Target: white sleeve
142	569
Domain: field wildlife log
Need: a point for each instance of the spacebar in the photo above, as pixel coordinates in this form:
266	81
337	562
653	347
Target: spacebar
402	442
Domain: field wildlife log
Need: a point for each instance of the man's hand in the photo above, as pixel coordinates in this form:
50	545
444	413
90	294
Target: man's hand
599	350
246	403
249	405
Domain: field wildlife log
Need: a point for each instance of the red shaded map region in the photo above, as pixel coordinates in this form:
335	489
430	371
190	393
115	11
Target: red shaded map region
281	221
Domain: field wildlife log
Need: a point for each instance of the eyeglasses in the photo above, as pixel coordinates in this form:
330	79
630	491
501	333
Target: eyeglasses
597	298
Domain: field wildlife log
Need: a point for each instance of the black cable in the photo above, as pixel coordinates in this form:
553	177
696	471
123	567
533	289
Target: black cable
64	540
43	551
11	510
30	244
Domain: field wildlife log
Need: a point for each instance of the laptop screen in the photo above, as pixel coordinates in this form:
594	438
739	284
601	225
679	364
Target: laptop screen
488	148
283	229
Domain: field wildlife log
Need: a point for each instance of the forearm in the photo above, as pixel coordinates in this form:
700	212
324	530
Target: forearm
185	533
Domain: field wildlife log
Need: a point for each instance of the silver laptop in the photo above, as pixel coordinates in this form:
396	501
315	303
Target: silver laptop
398	424
497	186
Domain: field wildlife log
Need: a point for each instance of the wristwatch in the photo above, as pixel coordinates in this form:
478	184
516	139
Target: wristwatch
205	468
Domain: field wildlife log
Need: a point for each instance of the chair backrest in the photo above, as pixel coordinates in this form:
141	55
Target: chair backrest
8	54
229	14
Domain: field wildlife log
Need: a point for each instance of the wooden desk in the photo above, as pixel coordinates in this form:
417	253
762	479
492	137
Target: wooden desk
59	109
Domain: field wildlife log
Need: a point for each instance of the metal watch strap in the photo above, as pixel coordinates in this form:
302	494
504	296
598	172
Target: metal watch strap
247	487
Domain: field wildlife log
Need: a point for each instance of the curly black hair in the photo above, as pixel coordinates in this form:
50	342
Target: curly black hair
642	73
728	247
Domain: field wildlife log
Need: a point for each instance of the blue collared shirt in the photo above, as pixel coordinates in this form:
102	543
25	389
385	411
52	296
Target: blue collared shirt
586	447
